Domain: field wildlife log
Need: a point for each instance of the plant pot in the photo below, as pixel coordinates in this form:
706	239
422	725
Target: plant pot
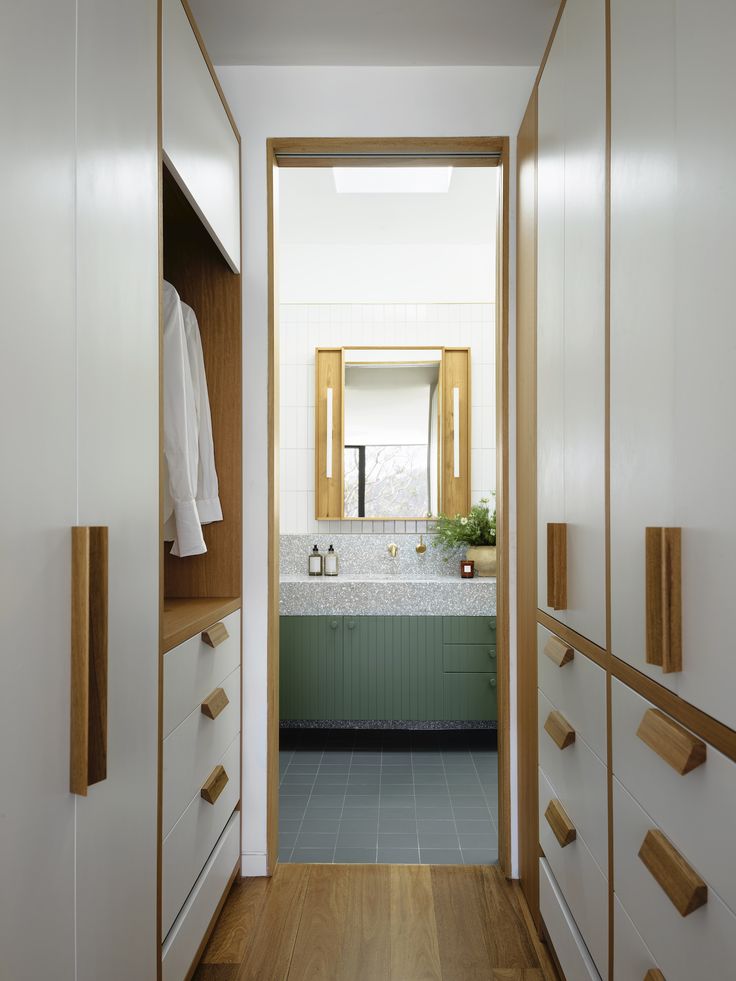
484	557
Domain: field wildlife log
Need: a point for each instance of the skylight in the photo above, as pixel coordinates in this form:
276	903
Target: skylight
392	180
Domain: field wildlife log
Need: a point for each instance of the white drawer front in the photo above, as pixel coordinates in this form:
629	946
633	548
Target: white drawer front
581	881
193	837
186	934
700	945
193	669
580	780
578	690
631	956
568	944
193	749
695	810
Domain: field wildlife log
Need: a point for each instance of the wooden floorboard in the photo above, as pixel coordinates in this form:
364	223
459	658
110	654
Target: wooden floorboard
375	923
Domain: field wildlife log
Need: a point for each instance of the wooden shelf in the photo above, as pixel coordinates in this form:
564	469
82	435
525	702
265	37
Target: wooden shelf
185	617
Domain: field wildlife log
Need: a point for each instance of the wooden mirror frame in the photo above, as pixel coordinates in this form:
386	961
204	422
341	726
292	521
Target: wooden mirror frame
329	475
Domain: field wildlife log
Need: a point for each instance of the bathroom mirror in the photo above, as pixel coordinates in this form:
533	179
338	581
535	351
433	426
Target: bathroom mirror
392	438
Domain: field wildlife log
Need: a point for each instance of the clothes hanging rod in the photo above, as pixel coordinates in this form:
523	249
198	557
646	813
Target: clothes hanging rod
407	155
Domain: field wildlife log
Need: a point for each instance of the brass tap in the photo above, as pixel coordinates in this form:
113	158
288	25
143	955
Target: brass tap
421	547
392	550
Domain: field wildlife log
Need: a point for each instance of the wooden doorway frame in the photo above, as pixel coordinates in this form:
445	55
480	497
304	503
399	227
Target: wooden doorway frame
485	151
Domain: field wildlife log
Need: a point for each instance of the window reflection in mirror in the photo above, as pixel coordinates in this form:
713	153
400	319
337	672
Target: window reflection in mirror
391	442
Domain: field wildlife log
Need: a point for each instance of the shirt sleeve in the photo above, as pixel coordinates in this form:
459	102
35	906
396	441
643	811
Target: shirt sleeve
207	491
180	431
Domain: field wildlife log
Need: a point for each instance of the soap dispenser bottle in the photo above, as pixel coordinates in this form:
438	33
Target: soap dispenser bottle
316	562
331	562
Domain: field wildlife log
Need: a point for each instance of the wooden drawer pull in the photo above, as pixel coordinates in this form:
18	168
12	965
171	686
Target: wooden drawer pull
215	634
88	715
678	747
562	826
684	887
558	651
654	974
214	784
559	730
557	565
664	598
214	703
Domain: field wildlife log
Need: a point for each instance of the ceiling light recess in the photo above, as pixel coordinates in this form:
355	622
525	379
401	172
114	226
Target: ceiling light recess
392	180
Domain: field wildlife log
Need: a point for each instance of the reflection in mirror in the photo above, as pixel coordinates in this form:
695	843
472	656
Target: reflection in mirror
391	446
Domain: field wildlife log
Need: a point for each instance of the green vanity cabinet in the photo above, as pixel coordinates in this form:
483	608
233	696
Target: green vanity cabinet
388	668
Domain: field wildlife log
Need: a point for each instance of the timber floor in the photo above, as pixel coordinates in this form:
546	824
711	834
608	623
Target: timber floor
375	923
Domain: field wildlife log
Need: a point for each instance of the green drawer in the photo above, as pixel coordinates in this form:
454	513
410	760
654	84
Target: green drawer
469	657
469	630
471	696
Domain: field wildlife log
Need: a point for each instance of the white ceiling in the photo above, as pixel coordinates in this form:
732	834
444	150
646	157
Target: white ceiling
379	32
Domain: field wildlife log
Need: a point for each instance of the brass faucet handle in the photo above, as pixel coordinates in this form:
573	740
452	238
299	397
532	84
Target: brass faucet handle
392	550
421	547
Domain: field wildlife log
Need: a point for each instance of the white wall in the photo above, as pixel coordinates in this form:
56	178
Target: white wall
295	101
304	326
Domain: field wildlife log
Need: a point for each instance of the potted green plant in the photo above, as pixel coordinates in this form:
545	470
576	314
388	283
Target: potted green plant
476	532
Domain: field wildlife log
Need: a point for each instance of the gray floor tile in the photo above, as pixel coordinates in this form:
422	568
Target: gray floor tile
285	854
470	813
406	840
481	856
312	855
482	827
327	800
399	856
355	839
430	839
359	856
289	824
440	856
315	839
397	826
324	826
474	842
434	813
287	840
403	812
359	824
436	825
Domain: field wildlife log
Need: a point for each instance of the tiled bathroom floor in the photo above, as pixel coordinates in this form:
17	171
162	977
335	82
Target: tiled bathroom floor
408	798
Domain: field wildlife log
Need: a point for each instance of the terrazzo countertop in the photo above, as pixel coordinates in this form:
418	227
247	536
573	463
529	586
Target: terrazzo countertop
345	595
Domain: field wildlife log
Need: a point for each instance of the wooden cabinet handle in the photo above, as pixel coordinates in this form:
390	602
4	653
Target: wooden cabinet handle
654	974
88	728
678	747
214	703
562	826
558	651
684	887
559	730
215	635
557	565
664	598
214	784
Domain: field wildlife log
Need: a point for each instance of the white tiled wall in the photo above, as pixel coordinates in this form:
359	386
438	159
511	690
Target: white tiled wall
305	327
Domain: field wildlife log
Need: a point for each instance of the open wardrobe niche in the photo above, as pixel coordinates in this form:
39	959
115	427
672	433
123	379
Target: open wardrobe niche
200	580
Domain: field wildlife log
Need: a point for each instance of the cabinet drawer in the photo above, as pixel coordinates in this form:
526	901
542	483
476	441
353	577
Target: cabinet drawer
193	669
185	936
580	780
631	956
695	810
582	883
469	657
469	630
569	946
578	690
192	750
699	945
193	837
470	697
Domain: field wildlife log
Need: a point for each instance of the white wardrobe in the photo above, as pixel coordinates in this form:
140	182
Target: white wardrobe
79	443
82	254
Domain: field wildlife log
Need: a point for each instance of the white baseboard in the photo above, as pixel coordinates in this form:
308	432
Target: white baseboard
253	864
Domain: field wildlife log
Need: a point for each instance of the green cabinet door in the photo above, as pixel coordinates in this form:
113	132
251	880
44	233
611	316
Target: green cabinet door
393	668
311	668
471	696
469	630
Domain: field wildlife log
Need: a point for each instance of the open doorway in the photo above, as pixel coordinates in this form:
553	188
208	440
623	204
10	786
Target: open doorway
388	683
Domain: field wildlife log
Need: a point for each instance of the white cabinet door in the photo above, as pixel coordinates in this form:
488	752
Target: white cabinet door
37	448
200	146
571	312
673	357
118	439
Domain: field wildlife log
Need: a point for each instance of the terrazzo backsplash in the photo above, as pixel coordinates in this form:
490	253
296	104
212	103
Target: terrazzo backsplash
367	554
